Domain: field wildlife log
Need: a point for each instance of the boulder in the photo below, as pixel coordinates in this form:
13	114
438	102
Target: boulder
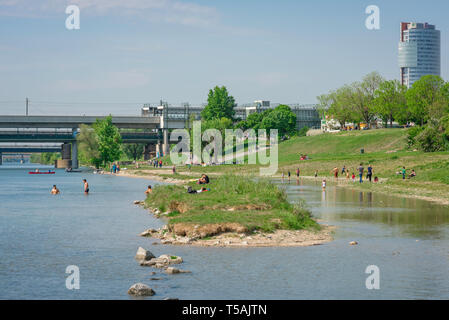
171	270
148	233
143	255
140	289
138	202
161	262
353	243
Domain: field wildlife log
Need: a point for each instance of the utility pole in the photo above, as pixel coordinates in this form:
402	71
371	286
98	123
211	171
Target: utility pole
26	102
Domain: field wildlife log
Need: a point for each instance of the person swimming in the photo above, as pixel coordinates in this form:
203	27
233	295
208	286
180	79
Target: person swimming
86	186
54	190
149	190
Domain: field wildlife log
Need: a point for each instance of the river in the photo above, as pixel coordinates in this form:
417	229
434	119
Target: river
42	234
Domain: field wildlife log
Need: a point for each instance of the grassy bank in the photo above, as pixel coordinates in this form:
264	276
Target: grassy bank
385	149
234	200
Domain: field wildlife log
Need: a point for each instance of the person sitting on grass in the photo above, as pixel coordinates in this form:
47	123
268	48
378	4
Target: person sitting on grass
376	179
149	190
204	179
54	190
412	174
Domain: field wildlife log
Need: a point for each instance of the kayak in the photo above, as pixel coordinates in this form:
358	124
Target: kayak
32	172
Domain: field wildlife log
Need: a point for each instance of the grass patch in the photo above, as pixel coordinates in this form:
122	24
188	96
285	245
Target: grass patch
256	205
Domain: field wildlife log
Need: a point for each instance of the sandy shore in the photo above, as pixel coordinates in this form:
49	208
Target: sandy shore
280	238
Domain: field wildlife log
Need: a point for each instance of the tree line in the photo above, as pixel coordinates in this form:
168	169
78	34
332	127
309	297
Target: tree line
425	105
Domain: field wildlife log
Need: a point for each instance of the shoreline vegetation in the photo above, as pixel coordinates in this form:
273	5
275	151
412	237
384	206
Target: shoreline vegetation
237	211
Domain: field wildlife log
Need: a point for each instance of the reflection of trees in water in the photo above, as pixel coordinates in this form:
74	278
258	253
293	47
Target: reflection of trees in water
415	217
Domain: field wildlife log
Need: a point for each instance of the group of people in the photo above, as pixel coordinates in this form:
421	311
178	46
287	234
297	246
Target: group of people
403	172
55	189
115	168
156	163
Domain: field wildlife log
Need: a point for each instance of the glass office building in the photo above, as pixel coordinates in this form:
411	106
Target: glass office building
419	52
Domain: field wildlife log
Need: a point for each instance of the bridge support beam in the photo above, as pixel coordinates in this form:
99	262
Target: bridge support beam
165	146
74	155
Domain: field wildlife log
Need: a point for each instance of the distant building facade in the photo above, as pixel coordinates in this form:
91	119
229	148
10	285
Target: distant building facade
419	52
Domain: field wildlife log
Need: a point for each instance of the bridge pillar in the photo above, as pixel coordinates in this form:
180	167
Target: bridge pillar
1	158
74	155
165	146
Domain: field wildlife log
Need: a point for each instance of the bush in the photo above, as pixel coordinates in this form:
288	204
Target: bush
430	139
411	135
303	131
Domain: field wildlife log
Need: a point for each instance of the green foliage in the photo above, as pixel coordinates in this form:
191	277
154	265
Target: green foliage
412	133
429	95
219	105
88	146
303	131
45	157
133	150
281	118
389	102
109	140
430	139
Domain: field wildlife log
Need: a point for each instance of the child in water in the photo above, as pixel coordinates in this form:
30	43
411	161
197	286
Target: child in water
324	184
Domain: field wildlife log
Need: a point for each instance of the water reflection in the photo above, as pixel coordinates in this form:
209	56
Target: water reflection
410	217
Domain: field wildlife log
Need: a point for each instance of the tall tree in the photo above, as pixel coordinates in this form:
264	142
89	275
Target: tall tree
109	140
389	101
340	105
219	105
363	96
429	95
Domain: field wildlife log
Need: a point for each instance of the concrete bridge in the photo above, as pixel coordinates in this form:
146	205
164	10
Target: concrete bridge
63	129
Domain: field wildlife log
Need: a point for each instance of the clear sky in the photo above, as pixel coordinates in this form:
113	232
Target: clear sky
130	52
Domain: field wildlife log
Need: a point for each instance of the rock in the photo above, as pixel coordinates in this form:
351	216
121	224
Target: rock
353	243
245	243
171	270
140	289
138	202
171	298
143	255
161	262
155	279
147	233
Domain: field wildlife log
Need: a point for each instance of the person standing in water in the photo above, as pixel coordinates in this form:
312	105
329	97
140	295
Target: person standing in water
324	184
54	190
149	190
289	174
297	173
86	186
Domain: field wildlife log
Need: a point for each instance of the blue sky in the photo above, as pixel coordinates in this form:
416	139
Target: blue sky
135	51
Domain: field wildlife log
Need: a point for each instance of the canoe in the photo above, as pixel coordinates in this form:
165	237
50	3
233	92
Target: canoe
32	172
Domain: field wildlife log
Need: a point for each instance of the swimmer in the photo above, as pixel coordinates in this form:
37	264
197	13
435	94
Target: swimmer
54	190
149	190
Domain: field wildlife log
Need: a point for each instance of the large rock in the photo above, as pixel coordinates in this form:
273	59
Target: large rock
143	255
161	262
140	289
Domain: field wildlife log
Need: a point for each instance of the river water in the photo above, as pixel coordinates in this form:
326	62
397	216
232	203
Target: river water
42	234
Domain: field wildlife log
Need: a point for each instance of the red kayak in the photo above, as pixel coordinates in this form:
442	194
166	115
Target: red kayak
33	172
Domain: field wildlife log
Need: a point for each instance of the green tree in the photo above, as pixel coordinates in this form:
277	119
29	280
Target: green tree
281	118
340	105
109	140
88	146
219	105
363	96
389	101
133	150
428	96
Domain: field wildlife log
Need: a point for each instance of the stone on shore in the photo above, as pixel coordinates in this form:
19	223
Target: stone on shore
353	243
141	290
148	233
139	202
143	255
